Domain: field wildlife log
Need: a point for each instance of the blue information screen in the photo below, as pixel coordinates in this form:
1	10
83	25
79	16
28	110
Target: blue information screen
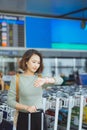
38	32
68	34
48	33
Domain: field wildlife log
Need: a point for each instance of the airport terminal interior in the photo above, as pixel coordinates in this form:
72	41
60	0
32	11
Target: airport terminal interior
58	30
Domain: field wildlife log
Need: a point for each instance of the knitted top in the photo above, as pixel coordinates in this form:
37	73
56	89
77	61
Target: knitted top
28	94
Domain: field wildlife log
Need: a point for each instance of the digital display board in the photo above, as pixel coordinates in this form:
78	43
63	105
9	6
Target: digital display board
58	34
68	35
12	31
38	32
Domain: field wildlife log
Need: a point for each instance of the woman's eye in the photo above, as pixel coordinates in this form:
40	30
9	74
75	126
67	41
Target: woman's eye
34	62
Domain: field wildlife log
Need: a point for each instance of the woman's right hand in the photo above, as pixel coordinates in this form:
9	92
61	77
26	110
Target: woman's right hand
31	109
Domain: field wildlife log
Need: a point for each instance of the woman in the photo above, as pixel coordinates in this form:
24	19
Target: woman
30	88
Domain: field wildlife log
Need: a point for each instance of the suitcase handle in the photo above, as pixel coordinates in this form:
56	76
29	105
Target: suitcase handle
39	110
42	119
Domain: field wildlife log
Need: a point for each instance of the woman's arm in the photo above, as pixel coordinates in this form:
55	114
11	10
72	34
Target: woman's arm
25	107
11	98
48	80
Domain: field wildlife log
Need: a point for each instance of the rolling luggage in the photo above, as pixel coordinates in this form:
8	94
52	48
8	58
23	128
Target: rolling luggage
36	124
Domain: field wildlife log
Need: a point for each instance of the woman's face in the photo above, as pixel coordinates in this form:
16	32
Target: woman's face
34	63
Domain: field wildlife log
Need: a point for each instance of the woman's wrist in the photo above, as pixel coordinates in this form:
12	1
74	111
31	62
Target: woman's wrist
26	108
49	80
46	80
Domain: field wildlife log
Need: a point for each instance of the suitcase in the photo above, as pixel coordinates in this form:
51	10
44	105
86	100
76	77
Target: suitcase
37	124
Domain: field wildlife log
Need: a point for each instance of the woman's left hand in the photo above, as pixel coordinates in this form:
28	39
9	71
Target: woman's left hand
39	82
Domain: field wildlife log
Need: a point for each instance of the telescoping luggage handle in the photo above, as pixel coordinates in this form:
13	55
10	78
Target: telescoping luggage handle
42	120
